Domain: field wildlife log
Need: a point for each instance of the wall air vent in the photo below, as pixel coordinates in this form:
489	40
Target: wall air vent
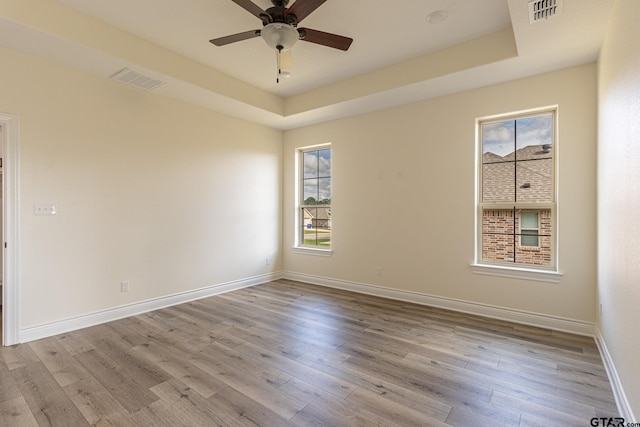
541	10
136	79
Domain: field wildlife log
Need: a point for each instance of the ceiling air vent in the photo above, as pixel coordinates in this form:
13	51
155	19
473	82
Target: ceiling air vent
541	10
136	79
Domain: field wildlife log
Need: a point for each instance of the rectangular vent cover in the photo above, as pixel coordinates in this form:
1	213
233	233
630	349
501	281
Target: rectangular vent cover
136	79
541	10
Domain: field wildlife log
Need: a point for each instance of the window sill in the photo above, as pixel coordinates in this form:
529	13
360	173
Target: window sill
312	251
517	273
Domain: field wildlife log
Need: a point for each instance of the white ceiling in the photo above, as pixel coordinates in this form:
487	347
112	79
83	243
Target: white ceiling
390	39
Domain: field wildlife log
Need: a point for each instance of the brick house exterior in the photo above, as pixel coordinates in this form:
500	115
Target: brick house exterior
501	238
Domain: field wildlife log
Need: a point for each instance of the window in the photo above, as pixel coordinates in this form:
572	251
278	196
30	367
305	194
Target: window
529	229
314	214
516	211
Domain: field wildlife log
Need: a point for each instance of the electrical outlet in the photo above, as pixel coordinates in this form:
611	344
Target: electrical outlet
379	271
268	260
124	286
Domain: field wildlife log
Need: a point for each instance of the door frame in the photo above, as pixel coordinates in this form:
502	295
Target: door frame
11	218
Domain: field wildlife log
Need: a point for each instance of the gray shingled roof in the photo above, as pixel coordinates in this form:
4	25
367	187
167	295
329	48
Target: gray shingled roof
525	175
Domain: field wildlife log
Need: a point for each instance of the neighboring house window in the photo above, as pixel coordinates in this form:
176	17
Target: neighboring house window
529	229
315	198
517	191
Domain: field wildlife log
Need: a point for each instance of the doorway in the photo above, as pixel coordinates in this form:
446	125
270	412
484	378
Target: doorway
1	231
9	236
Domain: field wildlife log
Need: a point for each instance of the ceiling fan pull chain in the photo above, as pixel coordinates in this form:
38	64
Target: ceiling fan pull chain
278	54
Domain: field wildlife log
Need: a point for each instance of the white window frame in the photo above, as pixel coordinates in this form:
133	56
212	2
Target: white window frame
511	269
298	245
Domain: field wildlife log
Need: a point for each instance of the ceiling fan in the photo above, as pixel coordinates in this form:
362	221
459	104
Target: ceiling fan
280	27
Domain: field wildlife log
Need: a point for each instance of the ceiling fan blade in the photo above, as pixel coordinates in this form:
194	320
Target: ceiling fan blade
302	8
325	39
251	7
221	41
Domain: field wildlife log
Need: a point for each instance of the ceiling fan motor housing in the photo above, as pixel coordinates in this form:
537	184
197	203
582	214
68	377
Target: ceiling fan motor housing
280	36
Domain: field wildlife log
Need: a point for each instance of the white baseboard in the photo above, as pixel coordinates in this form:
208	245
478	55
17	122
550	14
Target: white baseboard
618	392
103	316
518	316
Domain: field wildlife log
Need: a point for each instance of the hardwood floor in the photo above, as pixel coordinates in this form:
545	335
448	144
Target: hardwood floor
287	353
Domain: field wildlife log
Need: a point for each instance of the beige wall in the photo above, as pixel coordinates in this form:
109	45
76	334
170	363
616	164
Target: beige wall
420	227
619	195
169	196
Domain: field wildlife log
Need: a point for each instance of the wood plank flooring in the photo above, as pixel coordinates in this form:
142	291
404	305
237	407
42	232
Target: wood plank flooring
293	354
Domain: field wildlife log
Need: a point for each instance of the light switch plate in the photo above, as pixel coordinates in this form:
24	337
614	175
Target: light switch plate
45	209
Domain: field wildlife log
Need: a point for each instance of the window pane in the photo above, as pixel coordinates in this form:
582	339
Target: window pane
324	191
307	214
316	228
498	247
535	180
310	164
498	182
498	235
498	142
529	220
324	163
534	137
310	195
322	222
534	254
535	242
544	216
529	238
498	221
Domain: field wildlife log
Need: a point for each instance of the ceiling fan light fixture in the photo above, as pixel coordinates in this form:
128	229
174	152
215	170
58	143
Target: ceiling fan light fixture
279	36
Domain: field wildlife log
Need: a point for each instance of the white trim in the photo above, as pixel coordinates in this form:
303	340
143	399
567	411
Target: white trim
624	408
90	319
517	316
302	250
517	273
11	235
